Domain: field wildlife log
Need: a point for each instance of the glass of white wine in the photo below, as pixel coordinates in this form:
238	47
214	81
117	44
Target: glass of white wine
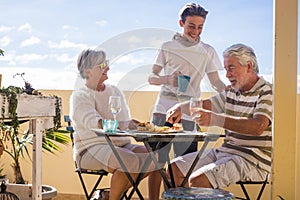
195	107
115	106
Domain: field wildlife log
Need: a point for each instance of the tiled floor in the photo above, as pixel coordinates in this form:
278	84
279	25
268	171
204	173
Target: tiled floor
69	197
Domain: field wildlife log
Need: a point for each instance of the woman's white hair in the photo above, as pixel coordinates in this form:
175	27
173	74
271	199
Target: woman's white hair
89	58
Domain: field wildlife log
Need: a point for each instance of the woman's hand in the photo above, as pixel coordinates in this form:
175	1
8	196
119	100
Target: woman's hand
133	124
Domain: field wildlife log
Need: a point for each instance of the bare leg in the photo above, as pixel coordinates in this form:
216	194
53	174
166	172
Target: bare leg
154	179
154	182
119	182
178	176
199	181
118	185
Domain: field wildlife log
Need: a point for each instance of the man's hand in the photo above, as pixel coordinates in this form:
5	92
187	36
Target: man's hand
174	114
203	117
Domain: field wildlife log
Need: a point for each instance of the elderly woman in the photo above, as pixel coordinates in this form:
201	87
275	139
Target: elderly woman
89	105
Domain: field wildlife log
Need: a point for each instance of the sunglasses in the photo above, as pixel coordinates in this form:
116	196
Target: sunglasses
104	65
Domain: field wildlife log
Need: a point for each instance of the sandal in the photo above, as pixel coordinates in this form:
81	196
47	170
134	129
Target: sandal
102	194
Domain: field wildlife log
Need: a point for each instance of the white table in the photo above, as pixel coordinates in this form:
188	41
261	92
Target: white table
39	110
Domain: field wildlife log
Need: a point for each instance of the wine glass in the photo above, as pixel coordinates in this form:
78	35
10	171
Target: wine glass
195	107
115	106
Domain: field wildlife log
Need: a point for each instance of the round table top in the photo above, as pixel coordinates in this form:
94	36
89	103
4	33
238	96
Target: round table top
196	194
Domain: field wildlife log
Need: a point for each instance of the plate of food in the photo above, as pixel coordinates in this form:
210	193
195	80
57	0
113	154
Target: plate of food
176	128
148	127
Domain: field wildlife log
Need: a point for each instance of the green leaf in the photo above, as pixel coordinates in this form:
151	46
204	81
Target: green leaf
52	138
17	142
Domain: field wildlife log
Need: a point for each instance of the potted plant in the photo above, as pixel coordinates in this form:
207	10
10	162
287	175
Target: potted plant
13	142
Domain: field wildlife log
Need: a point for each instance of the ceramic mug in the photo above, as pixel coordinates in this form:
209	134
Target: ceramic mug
183	82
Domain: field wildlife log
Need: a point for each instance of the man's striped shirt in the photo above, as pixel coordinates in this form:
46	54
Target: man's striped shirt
257	101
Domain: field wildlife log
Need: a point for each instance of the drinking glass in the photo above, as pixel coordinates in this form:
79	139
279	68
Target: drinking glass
195	107
115	105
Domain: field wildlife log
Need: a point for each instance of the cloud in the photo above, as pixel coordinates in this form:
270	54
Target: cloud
156	42
5	41
5	28
64	58
102	23
26	58
9	57
25	27
40	78
134	39
129	60
268	77
68	27
66	44
31	41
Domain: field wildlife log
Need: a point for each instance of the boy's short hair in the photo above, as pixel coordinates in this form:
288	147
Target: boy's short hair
192	9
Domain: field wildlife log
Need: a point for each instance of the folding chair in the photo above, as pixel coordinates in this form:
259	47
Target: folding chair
80	171
262	183
99	173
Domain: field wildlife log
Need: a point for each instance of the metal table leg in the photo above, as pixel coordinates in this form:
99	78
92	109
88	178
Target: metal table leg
161	171
203	147
133	183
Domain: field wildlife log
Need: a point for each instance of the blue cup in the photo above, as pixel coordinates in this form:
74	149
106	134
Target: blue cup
183	82
109	126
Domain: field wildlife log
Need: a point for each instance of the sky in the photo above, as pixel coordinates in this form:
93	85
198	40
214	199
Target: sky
43	38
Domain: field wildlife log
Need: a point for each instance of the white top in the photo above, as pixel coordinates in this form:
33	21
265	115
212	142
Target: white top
194	61
87	107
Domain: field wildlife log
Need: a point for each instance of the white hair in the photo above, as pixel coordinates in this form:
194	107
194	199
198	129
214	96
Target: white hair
89	58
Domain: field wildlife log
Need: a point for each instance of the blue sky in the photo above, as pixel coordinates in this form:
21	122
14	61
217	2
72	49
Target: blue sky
44	37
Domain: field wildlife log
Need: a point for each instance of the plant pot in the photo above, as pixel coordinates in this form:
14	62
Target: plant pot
6	180
24	192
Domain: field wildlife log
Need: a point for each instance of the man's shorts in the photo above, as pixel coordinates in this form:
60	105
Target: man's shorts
221	169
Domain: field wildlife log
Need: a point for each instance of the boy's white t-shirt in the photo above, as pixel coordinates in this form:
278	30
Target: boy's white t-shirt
194	61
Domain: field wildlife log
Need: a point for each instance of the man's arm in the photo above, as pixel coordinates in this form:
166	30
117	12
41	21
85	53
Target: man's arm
251	126
174	113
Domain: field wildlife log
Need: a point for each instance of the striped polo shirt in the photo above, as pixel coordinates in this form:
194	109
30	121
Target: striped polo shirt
256	101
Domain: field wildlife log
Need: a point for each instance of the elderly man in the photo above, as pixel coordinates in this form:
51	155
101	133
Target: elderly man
245	112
